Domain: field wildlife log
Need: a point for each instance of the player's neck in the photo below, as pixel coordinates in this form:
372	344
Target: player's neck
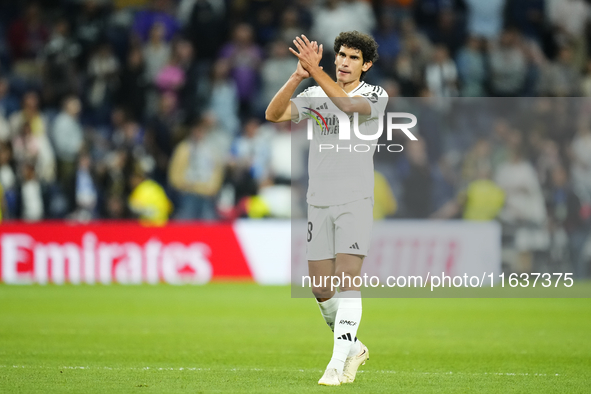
348	87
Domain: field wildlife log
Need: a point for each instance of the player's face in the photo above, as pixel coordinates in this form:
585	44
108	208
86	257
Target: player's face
349	64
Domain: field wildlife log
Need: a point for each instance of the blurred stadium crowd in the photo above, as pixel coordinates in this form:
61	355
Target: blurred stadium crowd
154	108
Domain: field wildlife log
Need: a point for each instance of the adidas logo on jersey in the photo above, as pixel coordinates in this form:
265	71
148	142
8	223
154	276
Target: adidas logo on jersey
354	246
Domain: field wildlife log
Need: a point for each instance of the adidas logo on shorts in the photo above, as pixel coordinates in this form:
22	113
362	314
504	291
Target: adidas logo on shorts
354	246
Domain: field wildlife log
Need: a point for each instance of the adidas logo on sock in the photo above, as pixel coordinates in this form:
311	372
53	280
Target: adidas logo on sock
347	337
354	246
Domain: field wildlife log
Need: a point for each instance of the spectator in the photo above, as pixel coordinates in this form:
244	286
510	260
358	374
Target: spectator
417	46
564	209
441	74
90	26
508	65
547	160
31	193
581	164
586	81
264	27
385	203
8	180
206	28
529	17
184	9
26	37
485	18
116	208
388	39
407	76
244	57
4	129
276	70
449	32
103	70
364	20
189	101
30	114
68	137
134	85
251	152
171	78
570	19
163	129
34	149
196	173
129	137
561	78
328	22
518	179
86	194
427	12
524	213
476	161
417	181
290	26
59	65
8	103
482	200
156	14
280	147
472	69
224	102
148	200
156	52
112	181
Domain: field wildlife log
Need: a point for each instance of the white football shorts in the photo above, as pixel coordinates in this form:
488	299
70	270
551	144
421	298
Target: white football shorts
344	228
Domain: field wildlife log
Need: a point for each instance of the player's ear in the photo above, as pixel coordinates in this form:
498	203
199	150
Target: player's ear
366	66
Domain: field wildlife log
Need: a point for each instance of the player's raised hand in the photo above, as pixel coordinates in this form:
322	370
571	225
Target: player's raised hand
309	53
300	71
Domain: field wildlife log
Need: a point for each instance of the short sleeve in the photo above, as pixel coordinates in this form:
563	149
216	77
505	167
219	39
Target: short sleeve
301	101
378	100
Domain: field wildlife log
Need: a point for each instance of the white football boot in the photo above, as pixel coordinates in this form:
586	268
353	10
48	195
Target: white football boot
331	378
353	363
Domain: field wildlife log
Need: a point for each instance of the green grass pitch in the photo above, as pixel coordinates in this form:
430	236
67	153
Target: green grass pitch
244	338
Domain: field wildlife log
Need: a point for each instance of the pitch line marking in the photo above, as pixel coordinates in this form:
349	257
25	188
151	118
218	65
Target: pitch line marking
277	370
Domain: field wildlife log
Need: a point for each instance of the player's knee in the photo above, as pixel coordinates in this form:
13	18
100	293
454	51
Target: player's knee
349	281
323	292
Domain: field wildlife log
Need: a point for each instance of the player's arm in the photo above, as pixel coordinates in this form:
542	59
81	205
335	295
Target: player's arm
310	58
281	108
338	96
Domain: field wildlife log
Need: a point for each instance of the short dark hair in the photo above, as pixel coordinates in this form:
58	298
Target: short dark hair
360	41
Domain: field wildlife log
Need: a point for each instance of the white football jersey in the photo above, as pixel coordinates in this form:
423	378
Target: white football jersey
344	173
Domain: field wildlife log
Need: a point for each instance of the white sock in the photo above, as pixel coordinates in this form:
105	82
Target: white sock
328	309
346	324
